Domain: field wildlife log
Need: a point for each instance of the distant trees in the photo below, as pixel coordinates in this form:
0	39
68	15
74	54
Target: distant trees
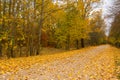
97	35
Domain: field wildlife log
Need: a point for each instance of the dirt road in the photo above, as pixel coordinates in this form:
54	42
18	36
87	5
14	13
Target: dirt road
94	64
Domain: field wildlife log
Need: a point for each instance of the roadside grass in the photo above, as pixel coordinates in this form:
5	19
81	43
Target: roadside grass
51	51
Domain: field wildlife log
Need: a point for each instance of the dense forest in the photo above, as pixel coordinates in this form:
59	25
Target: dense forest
28	25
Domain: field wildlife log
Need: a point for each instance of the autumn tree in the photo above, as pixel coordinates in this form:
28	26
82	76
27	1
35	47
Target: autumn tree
114	37
115	31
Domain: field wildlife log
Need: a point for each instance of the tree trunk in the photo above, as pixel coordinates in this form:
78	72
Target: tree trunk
20	51
0	50
33	33
82	43
3	24
11	52
0	27
77	44
31	47
8	50
4	12
40	28
13	30
68	43
0	8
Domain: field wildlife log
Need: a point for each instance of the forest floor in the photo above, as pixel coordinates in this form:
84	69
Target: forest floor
92	63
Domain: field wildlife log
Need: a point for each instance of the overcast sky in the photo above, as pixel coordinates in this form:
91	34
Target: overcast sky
106	5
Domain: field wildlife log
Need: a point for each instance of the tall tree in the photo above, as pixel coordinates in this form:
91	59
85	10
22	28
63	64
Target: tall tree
0	27
40	26
114	36
115	31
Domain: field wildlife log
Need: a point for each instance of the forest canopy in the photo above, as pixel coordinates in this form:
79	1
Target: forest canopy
28	25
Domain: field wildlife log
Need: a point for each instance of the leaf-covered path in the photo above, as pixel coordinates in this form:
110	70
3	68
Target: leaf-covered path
94	64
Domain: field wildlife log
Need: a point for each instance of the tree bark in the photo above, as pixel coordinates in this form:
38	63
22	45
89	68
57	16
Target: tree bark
20	48
82	43
68	43
0	28
13	30
8	49
77	44
40	28
0	50
0	9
